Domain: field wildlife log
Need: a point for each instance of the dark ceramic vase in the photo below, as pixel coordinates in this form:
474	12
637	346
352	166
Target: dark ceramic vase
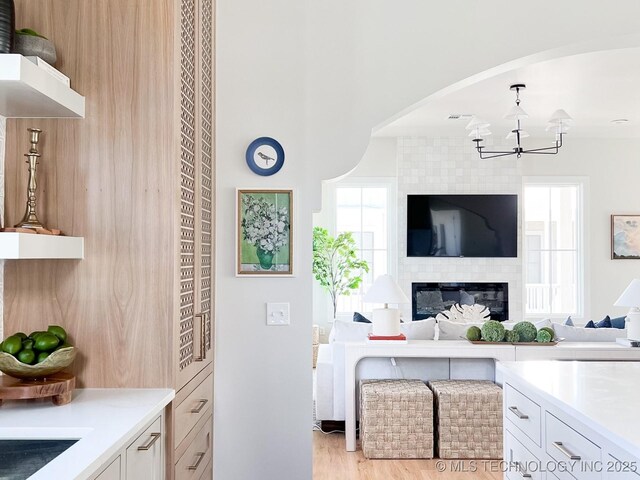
7	25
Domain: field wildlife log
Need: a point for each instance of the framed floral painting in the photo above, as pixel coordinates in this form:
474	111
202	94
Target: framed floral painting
625	237
265	226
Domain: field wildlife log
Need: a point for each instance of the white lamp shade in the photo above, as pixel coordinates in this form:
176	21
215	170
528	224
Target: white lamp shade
477	122
385	290
516	113
631	296
560	117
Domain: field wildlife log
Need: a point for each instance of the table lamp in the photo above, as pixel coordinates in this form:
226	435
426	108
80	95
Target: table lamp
386	321
631	298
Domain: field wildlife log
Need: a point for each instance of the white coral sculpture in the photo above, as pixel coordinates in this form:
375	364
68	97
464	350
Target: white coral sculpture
465	314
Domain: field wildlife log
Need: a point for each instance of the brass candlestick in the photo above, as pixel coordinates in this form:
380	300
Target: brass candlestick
30	219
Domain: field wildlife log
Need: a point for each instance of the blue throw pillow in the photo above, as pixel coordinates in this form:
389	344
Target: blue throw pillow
604	323
590	324
618	322
568	322
357	317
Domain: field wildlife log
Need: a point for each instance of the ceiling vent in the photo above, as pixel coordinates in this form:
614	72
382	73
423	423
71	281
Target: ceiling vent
458	116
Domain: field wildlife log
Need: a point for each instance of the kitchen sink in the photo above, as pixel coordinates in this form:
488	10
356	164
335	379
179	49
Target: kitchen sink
20	459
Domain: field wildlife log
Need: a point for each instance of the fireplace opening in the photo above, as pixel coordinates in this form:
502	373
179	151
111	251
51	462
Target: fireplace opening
429	299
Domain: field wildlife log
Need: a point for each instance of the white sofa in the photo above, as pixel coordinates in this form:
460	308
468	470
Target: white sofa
330	366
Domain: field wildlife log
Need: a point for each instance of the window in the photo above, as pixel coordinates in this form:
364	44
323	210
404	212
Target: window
553	244
364	211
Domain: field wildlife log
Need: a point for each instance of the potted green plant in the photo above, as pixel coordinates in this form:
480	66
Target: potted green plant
335	264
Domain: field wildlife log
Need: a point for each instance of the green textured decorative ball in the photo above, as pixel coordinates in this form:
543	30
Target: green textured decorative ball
511	336
474	334
550	330
526	330
543	337
492	331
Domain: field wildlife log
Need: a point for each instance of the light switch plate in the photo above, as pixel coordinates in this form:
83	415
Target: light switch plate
278	314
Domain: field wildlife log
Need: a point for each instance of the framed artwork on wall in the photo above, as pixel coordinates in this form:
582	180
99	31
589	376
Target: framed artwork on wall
625	237
265	232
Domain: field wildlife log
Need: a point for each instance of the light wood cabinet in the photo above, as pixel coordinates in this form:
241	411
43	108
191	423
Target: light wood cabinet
208	472
135	178
196	455
196	405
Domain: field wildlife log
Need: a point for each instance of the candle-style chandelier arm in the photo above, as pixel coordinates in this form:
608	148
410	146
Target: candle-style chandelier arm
487	154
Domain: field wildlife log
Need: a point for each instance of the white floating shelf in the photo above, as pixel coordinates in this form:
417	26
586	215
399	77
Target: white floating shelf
15	246
28	91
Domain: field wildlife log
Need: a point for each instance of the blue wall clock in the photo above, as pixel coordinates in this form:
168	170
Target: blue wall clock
265	156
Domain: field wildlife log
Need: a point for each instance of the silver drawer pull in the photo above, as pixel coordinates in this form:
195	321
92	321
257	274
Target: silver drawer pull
518	413
201	404
565	451
154	439
195	466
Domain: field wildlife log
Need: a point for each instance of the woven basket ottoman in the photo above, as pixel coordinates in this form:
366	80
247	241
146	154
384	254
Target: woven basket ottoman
468	418
396	419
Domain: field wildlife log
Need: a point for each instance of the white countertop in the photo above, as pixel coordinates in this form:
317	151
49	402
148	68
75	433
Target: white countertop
103	420
602	395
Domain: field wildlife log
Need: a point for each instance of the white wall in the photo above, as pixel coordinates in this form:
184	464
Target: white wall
319	76
612	168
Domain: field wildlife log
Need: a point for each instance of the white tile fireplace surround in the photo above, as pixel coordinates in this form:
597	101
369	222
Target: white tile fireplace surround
450	165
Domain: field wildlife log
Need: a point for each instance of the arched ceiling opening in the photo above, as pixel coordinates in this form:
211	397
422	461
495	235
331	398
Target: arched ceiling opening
595	88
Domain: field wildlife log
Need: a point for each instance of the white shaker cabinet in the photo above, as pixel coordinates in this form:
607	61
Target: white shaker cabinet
142	458
571	420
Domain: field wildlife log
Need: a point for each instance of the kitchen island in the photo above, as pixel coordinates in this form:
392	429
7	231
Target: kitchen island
571	420
108	425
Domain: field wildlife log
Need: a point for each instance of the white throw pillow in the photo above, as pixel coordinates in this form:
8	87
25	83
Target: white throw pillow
579	334
453	330
419	329
349	331
539	324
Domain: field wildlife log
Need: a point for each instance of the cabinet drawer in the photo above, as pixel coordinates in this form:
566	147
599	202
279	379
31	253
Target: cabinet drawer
112	472
522	464
144	457
524	413
196	406
564	444
208	472
198	454
620	465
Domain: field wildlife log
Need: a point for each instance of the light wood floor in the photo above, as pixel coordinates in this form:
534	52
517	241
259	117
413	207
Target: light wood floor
332	462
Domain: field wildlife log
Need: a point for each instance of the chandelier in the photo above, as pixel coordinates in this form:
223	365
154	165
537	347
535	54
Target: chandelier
559	122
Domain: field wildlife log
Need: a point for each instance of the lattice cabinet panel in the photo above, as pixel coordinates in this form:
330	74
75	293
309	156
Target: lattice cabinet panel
206	165
188	179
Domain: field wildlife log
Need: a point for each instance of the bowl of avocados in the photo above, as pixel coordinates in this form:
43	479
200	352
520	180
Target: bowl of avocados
36	355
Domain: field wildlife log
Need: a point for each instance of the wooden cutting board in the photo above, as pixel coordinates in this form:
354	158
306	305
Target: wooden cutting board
58	386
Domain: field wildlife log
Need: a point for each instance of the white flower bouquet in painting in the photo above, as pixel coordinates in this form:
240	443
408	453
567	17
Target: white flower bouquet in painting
265	225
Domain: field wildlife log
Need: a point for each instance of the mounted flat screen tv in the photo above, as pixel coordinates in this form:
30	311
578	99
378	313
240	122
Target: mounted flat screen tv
462	225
